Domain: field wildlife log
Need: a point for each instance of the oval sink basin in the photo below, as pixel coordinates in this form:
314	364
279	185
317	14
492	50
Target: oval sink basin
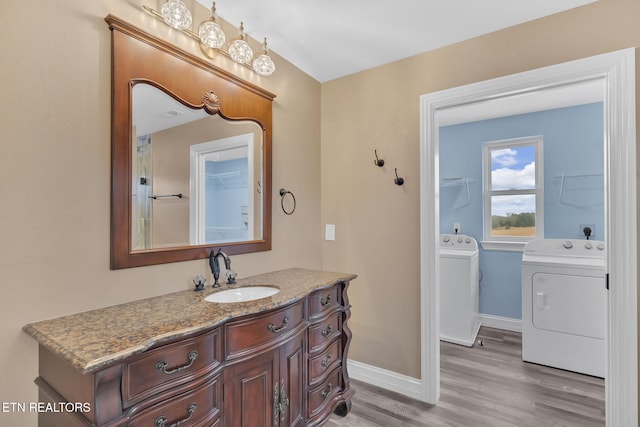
247	293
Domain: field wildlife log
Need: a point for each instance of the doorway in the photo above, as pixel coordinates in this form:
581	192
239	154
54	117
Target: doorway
616	71
222	174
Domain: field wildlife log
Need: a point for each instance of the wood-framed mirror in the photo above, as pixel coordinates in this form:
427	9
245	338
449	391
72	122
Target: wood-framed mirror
190	155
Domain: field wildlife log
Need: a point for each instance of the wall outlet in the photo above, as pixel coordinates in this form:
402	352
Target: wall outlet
581	231
456	228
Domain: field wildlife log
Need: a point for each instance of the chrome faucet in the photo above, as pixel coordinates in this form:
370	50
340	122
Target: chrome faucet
215	267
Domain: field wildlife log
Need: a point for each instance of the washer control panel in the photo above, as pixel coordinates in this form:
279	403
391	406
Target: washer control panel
566	247
458	241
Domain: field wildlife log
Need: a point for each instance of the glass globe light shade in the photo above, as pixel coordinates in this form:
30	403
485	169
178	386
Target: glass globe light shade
211	34
240	51
264	65
176	14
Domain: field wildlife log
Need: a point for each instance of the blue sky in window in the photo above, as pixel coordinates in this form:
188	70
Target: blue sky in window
513	168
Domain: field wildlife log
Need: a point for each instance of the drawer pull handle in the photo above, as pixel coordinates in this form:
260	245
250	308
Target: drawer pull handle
326	361
162	365
325	301
326	332
162	420
326	391
285	325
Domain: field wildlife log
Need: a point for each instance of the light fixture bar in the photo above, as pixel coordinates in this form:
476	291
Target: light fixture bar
195	36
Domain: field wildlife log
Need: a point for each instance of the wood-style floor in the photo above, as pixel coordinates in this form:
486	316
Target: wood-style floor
486	385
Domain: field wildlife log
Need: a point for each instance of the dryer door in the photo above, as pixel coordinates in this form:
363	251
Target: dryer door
570	304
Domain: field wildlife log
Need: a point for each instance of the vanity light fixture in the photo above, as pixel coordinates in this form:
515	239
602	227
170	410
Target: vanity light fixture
212	39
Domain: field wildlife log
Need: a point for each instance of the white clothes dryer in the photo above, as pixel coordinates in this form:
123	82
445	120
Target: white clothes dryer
564	305
459	274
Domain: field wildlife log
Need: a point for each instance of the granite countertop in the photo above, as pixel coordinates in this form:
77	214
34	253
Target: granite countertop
94	339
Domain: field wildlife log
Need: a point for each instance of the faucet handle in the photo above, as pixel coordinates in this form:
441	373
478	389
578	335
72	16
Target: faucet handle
199	282
231	276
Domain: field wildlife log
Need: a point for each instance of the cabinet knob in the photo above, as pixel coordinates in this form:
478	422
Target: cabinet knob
325	301
326	362
326	332
326	391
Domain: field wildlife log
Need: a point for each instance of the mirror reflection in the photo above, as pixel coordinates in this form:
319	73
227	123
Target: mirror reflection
196	178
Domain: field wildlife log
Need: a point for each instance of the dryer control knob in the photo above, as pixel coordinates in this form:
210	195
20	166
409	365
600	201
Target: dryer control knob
467	240
567	244
601	246
459	239
588	245
446	239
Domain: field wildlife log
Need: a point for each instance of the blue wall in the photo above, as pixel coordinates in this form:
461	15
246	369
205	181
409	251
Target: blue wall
573	145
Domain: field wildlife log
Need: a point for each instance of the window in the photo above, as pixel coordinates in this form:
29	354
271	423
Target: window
513	193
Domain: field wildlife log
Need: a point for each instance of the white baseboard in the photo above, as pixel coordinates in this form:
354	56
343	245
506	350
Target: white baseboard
498	322
410	386
383	378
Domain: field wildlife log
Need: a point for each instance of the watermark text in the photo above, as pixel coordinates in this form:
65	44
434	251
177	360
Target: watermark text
37	407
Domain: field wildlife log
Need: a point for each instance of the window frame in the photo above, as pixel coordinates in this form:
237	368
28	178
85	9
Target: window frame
512	243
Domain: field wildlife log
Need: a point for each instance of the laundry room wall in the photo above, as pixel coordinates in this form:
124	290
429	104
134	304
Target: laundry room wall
573	147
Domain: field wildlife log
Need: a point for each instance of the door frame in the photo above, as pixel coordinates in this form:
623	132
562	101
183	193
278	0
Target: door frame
617	72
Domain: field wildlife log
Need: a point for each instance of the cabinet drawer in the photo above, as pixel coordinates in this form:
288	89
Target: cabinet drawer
321	302
320	397
324	362
321	333
170	365
195	408
245	336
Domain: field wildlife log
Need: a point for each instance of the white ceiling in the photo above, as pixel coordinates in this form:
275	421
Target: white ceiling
329	39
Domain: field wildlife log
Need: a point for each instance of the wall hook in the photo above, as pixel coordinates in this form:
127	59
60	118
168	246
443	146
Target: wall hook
378	162
398	180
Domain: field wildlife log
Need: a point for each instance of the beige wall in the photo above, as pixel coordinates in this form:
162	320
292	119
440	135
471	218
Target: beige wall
377	222
55	119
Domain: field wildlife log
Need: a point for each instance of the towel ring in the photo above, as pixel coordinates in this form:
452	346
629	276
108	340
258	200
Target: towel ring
283	193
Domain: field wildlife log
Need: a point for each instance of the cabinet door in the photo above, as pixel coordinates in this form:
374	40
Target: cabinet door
292	381
249	391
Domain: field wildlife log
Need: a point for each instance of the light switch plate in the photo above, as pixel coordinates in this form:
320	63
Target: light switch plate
330	232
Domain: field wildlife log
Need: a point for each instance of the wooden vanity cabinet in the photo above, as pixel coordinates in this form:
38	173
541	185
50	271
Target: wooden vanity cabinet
264	377
328	387
267	389
178	381
283	367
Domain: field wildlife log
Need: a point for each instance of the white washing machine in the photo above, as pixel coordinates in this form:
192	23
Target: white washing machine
564	305
459	273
